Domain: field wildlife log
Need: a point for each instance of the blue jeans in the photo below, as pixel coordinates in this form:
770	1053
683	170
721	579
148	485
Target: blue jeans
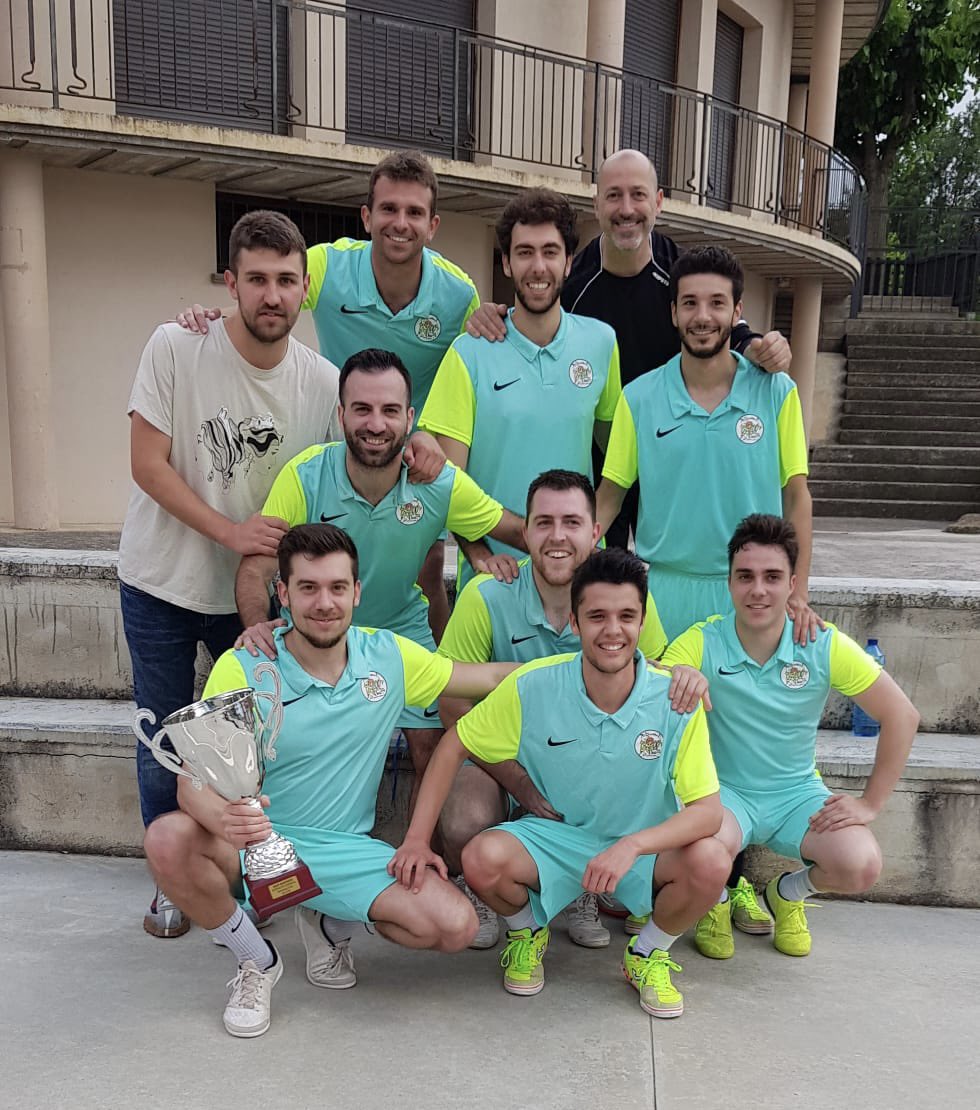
163	641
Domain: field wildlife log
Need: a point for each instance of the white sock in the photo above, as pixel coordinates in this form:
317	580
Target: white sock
652	936
796	886
335	930
523	919
240	935
724	895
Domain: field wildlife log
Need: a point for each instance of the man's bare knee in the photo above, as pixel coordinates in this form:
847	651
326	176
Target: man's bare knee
169	841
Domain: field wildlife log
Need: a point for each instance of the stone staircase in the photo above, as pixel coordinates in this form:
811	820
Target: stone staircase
909	431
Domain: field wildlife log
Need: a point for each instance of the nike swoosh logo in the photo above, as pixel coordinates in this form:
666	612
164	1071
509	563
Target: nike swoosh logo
721	670
499	386
327	519
235	928
560	743
353	311
292	701
521	639
661	432
430	713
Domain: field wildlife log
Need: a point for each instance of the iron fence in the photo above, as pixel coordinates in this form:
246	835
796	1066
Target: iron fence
307	68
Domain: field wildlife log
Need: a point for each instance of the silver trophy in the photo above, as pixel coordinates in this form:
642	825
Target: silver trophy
224	742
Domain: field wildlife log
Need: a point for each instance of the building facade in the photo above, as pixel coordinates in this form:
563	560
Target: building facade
132	132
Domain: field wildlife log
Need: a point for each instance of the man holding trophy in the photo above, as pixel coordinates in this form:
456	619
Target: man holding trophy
341	689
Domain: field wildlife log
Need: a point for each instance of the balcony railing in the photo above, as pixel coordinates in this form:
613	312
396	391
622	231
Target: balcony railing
306	68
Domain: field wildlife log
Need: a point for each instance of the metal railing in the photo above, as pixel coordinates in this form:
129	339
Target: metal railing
306	68
923	258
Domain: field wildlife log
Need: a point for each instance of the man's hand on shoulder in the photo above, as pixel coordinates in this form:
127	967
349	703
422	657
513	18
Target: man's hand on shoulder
424	458
502	566
260	636
770	352
196	318
488	322
258	535
688	686
806	622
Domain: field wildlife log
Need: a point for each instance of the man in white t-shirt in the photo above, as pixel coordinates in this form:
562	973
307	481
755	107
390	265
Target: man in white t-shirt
213	421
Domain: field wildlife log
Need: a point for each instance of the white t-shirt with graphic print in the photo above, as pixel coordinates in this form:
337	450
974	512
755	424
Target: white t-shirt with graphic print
233	428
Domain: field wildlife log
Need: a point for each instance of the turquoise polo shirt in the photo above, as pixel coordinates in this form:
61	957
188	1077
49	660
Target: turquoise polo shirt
636	762
331	751
392	537
701	473
522	409
350	315
764	719
505	622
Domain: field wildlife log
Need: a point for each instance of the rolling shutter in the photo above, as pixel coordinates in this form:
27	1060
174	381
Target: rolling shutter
727	83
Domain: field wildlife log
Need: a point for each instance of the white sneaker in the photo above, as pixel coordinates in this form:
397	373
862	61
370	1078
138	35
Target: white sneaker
489	932
327	964
249	1009
584	927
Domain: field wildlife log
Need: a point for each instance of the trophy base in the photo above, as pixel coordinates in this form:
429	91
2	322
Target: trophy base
269	896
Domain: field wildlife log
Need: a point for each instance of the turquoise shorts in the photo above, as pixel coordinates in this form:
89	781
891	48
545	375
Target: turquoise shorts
777	819
685	599
350	869
561	854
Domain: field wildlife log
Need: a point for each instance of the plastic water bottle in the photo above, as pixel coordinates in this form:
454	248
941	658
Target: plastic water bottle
861	723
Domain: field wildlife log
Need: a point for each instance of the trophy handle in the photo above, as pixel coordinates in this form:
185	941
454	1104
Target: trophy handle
273	721
168	759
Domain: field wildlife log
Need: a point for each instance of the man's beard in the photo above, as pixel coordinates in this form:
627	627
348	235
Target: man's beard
709	352
539	311
278	332
375	462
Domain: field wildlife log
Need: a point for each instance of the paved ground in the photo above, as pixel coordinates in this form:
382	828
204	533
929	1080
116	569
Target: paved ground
882	1016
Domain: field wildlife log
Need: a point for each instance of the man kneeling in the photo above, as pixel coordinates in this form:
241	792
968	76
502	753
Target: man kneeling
598	737
343	689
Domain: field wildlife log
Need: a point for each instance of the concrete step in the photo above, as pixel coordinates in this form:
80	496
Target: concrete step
926	421
907	438
885	404
906	364
887	341
922	394
911	325
859	485
865	454
884	472
948	352
937	381
893	510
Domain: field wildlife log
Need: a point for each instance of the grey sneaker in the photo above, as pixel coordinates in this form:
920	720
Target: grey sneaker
249	1009
164	919
584	926
489	932
327	964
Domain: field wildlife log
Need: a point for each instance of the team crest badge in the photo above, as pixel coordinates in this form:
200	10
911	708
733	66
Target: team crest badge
580	373
649	745
795	676
374	687
749	429
428	328
410	512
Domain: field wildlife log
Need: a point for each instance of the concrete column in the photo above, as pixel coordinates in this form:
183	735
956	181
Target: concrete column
606	32
828	27
27	346
807	298
605	35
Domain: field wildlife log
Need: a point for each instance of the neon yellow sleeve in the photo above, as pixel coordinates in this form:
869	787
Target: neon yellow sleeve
653	639
852	670
316	267
688	648
451	407
287	498
792	438
472	513
492	728
227	674
470	309
694	769
613	389
426	673
469	634
622	463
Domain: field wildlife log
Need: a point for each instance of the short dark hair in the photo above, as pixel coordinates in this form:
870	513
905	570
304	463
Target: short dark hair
314	541
767	531
614	565
372	360
535	207
708	260
263	228
561	480
405	165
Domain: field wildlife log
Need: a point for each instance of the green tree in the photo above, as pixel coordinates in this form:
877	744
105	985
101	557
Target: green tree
901	83
941	167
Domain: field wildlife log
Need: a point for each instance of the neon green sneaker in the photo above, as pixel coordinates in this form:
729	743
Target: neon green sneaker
521	960
791	935
713	933
634	923
747	915
650	975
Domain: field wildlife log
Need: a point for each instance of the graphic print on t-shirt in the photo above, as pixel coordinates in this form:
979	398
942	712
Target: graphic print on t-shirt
234	445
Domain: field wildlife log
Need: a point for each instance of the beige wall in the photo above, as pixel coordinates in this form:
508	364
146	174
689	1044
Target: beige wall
6	489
